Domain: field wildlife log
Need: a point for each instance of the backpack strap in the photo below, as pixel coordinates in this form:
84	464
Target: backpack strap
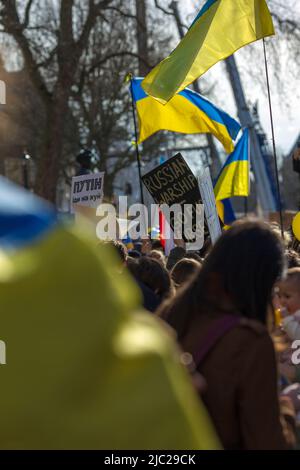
218	329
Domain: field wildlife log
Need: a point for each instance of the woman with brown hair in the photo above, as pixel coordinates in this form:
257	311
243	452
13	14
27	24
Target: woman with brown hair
221	318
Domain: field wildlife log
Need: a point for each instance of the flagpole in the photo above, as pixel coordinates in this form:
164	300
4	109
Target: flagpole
138	157
273	141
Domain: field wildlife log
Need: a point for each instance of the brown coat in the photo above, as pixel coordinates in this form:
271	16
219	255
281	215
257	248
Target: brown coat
242	390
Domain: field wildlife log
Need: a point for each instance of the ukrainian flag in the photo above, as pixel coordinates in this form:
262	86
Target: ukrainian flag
234	176
221	28
233	179
225	212
187	113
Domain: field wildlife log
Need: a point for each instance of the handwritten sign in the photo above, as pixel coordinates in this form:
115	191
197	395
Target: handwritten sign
87	190
171	183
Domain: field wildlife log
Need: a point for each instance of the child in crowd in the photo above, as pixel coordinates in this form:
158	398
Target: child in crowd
289	297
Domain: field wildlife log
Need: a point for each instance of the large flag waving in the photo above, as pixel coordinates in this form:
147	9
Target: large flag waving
188	113
221	28
234	176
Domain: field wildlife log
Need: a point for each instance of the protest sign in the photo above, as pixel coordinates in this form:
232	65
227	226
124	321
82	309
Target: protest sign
87	190
208	198
173	183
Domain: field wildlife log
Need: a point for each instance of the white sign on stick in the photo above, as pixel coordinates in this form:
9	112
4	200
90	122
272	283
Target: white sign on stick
87	190
208	198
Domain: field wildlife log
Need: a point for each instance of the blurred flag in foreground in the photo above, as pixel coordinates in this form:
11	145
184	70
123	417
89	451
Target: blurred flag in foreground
83	371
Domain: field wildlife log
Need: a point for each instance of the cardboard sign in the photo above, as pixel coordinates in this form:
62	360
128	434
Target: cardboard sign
171	183
209	201
87	190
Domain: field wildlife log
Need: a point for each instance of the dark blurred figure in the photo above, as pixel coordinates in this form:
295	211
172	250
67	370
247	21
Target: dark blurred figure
151	301
152	274
157	245
84	160
159	256
184	270
134	254
176	254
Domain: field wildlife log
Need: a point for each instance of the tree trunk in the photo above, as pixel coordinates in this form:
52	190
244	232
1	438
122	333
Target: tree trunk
49	162
142	37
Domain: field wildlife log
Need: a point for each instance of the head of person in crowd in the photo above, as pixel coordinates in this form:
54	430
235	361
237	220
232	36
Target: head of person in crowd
134	254
236	277
159	256
184	270
289	291
207	245
137	246
193	255
176	254
287	240
150	300
293	258
120	249
157	245
151	273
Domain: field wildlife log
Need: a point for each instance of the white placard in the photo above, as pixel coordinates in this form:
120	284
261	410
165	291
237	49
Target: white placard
87	190
208	198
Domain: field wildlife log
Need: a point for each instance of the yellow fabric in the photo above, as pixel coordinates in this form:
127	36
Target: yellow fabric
296	226
82	370
178	115
220	210
234	181
226	26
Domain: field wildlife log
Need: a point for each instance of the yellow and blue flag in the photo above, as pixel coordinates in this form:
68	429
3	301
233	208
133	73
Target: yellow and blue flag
234	176
225	212
221	28
187	112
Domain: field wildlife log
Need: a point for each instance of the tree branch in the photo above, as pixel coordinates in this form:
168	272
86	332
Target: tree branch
116	54
12	25
27	13
166	12
65	37
94	12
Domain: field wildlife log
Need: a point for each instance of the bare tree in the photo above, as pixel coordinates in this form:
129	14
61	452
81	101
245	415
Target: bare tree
53	44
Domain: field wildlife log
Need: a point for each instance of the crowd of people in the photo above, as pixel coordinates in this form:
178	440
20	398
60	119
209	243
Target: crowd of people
235	308
116	348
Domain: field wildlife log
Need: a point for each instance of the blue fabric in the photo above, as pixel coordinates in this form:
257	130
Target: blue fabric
213	112
23	216
203	10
